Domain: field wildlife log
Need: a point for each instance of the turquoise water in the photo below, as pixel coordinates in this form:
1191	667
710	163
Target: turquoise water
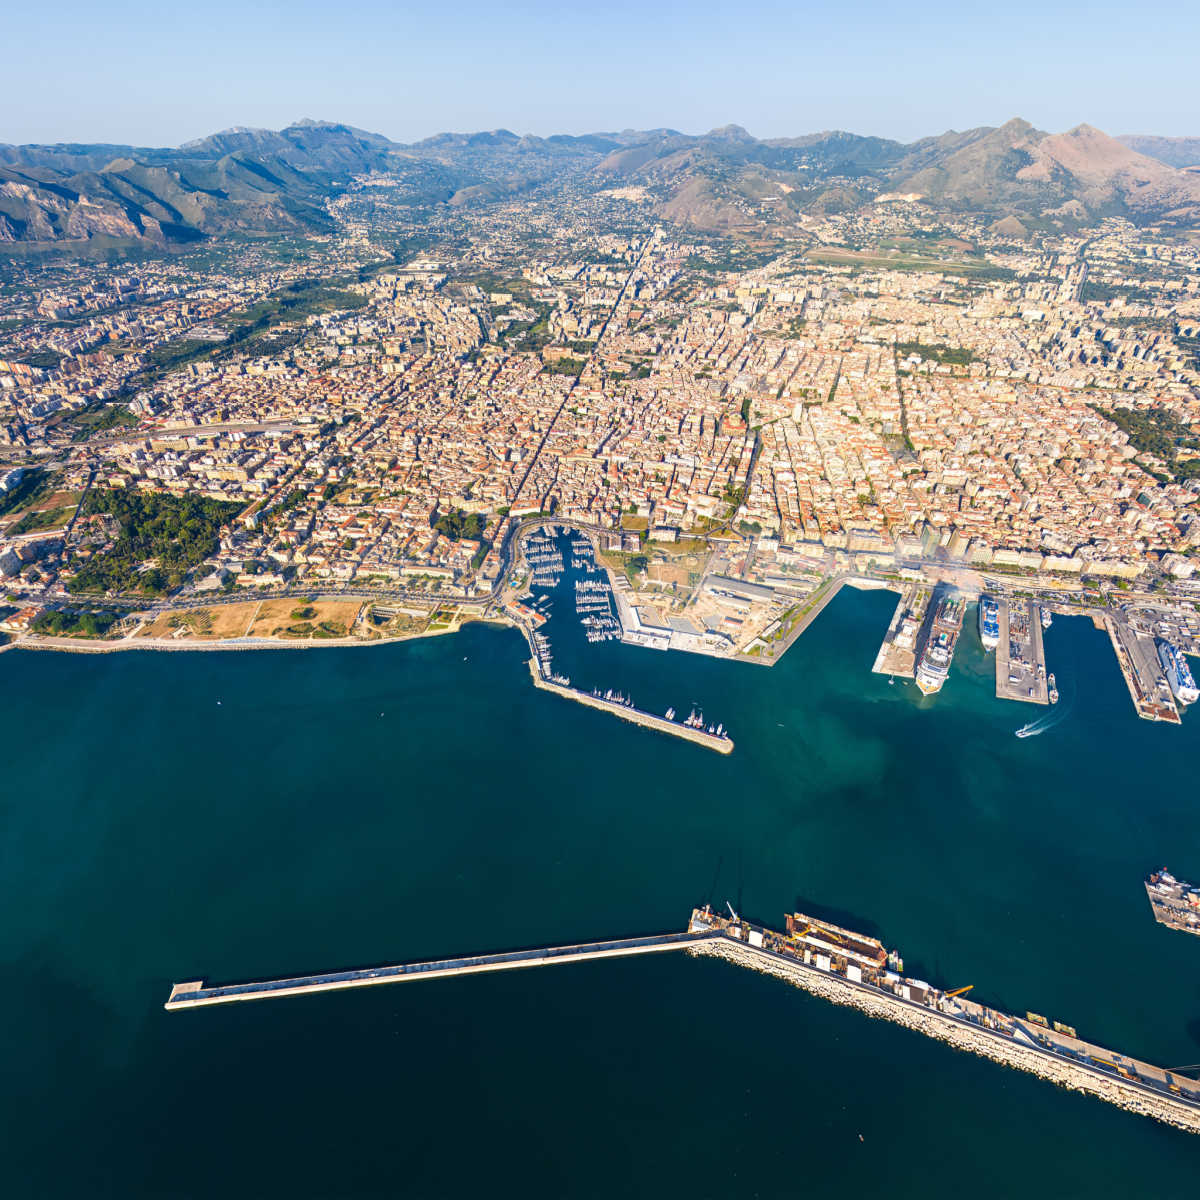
345	807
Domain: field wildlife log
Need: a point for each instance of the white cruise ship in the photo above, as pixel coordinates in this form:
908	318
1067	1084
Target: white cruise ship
1178	675
989	622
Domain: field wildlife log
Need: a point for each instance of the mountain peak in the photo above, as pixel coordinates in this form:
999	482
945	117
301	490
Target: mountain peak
730	133
1017	125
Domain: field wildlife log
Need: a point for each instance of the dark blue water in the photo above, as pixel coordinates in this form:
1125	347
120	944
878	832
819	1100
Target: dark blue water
345	807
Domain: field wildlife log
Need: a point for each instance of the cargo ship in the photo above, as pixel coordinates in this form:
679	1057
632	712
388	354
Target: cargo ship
939	646
1175	903
1179	676
989	622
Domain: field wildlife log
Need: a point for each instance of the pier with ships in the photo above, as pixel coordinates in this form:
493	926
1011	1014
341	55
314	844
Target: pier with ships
832	962
919	644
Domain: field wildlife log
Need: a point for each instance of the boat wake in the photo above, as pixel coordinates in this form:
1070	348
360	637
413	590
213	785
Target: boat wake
1056	716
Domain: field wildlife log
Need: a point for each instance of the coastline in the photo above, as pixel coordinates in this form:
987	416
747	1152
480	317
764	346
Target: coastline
69	645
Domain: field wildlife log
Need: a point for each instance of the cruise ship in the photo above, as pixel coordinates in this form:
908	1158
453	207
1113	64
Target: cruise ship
939	647
989	622
1178	675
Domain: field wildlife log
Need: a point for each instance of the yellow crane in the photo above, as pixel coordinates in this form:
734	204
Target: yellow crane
959	991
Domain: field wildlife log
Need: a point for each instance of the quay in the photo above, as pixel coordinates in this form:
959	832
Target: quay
722	745
1020	654
1148	686
831	962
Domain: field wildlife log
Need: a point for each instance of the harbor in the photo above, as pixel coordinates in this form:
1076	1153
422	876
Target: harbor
830	961
919	642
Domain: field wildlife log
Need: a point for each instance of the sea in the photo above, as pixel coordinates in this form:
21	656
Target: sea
229	816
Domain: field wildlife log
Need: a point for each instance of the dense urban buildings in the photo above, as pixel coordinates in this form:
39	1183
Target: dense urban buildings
892	391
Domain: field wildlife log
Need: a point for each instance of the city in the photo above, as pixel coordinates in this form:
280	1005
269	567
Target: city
741	424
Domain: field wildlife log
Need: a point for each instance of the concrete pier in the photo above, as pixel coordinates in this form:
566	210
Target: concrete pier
1020	657
196	995
722	745
898	653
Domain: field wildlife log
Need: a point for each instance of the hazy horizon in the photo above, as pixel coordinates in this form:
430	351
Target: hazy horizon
117	75
661	126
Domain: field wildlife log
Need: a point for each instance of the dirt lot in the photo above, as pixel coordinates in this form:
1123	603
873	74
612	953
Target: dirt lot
281	618
666	572
205	624
292	618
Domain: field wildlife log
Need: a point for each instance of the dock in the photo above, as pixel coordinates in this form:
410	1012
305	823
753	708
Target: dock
829	961
1020	655
898	652
701	737
1138	660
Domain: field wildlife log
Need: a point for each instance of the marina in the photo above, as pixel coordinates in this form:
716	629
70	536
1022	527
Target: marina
596	612
829	960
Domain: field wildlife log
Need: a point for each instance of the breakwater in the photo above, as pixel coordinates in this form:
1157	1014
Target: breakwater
1130	1093
1073	1076
722	744
196	995
831	962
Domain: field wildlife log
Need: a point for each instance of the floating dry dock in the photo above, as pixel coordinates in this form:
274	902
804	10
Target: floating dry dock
1175	903
831	962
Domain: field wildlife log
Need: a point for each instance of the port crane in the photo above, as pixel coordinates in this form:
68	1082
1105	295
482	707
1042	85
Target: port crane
962	991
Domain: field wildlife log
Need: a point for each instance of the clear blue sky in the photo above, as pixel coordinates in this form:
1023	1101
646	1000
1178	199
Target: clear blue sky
149	74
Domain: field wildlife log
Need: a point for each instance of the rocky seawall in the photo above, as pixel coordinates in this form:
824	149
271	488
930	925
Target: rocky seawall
962	1036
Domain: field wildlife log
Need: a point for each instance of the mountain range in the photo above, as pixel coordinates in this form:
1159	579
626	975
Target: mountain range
259	180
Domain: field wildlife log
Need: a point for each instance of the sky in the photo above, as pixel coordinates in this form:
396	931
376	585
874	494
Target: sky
145	74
